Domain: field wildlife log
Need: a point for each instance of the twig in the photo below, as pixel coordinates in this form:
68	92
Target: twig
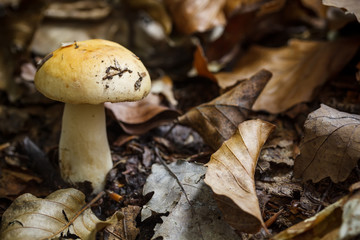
77	215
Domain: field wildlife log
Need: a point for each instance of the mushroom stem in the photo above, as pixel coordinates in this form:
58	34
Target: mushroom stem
84	152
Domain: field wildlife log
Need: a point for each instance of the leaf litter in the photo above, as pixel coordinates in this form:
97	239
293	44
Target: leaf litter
303	42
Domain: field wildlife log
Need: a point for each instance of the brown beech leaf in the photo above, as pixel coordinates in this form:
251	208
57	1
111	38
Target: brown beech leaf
352	6
298	69
139	117
231	171
196	15
202	15
217	120
331	145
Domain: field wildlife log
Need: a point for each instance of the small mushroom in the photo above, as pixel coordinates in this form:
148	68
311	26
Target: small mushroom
84	75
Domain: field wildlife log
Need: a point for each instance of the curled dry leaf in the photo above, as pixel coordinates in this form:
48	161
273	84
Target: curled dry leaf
139	117
352	6
331	145
231	172
29	217
217	120
298	69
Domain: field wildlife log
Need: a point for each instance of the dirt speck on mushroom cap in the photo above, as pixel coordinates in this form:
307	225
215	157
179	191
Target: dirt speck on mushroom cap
93	71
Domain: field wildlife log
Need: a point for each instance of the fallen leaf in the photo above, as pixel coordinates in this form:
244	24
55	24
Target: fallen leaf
298	69
201	63
350	226
193	213
230	175
156	10
316	227
331	145
126	228
29	217
217	120
12	183
352	6
196	15
164	86
139	117
79	10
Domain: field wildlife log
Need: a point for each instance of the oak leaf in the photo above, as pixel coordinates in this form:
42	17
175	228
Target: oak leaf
29	217
298	69
330	147
231	171
217	120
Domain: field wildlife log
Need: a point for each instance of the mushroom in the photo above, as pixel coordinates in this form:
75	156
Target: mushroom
84	75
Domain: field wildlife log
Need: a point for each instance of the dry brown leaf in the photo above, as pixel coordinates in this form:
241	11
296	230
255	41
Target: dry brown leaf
316	6
12	183
316	227
196	15
126	228
139	117
331	145
298	69
225	47
217	120
201	63
202	15
352	6
231	171
54	217
156	10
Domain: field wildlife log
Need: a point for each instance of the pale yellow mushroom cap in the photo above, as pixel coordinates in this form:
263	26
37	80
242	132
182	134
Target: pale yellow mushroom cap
92	71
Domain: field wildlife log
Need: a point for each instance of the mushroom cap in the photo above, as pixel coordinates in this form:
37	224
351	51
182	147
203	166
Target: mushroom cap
92	71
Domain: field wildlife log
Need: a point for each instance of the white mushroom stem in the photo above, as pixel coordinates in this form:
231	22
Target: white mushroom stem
84	152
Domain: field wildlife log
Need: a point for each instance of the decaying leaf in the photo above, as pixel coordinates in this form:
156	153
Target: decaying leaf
231	172
191	216
320	226
139	117
156	10
126	228
298	69
29	217
350	227
217	120
13	183
196	15
331	145
352	6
